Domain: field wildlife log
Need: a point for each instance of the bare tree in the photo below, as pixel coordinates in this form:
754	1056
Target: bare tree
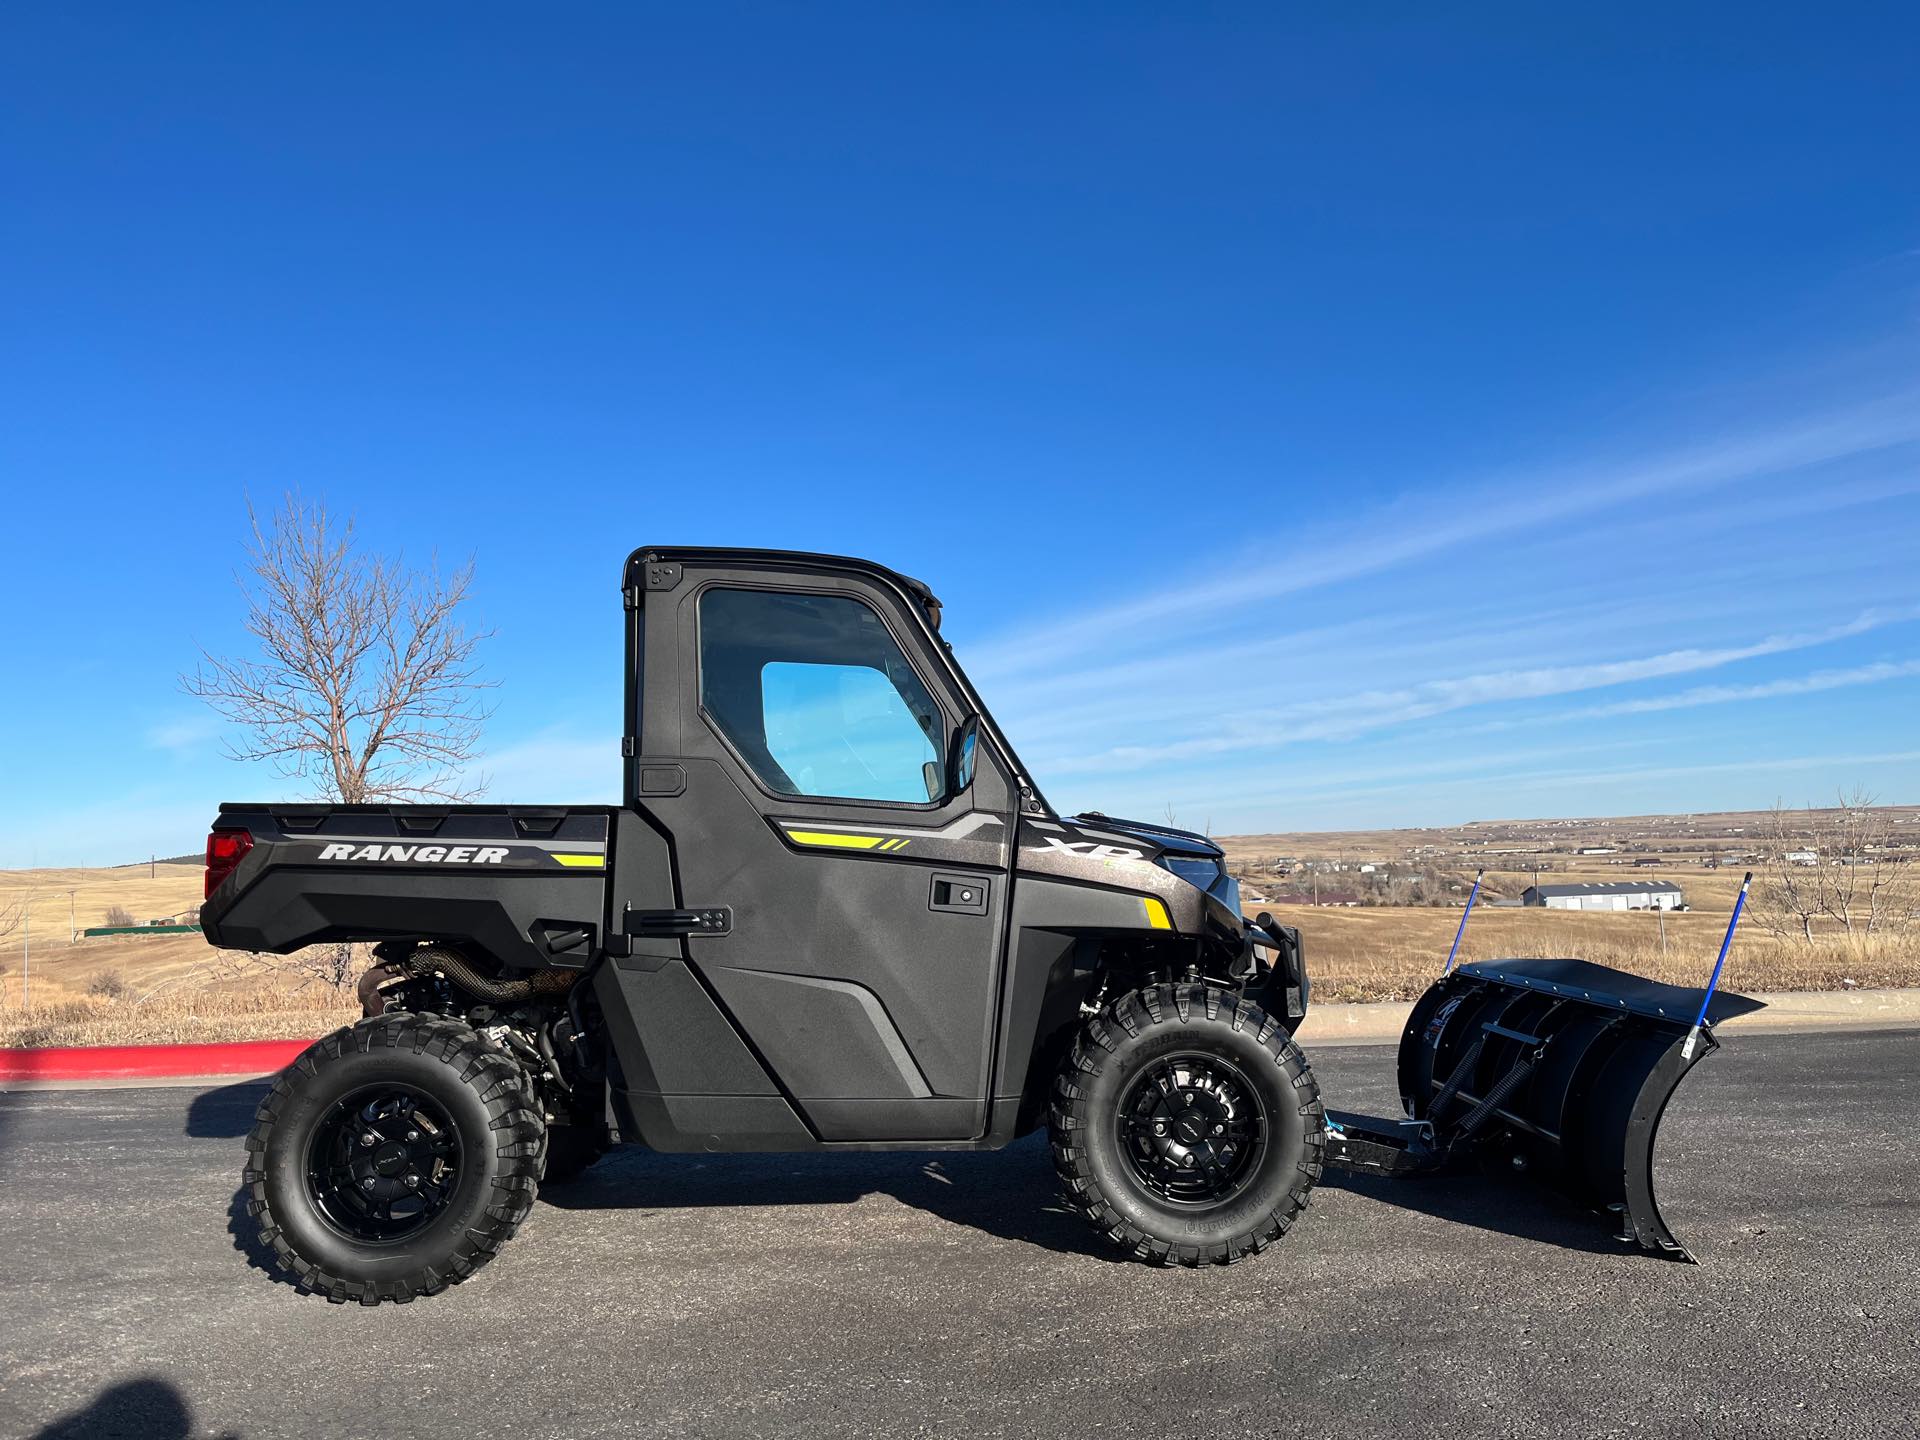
1792	893
13	916
1850	873
335	966
366	685
1871	890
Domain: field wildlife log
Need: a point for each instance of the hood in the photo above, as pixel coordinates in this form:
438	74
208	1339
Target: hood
1194	858
1161	837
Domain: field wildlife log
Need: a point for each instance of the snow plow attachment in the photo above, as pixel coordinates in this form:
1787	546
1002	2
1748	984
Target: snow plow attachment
1560	1069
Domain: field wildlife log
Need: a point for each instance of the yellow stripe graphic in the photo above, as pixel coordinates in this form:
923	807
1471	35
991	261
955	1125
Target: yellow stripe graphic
581	859
1156	914
839	842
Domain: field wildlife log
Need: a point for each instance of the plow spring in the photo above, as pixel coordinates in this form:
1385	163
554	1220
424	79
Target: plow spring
1559	1069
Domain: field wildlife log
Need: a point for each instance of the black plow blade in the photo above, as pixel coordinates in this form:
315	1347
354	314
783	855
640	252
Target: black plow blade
1559	1069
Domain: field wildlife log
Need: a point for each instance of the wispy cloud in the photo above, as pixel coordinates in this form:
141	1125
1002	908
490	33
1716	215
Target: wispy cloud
1414	528
554	765
1838	764
189	732
1344	717
1820	680
1364	789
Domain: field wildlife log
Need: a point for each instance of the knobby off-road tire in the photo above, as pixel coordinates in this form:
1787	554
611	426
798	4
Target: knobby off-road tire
1134	1116
477	1154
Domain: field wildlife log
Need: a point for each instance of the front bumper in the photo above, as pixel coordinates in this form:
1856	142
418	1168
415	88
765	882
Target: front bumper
1274	961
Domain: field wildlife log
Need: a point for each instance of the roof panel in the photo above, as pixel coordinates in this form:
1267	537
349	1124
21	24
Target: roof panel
1611	887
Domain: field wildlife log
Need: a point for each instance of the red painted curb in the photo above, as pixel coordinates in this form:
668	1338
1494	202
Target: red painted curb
149	1062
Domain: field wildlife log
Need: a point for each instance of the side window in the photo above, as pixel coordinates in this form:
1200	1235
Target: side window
815	693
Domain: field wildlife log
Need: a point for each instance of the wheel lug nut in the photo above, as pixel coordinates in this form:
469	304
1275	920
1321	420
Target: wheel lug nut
367	1184
412	1181
368	1140
1160	1129
1219	1129
412	1135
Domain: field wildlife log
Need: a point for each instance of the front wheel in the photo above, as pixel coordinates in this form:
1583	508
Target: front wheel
393	1159
1187	1126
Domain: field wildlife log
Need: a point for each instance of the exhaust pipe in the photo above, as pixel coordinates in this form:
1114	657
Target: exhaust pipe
461	972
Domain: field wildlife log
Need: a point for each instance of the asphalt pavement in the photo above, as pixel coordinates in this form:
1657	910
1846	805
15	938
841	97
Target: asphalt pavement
903	1295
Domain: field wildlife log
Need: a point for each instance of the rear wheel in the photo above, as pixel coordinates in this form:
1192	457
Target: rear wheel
1186	1126
393	1159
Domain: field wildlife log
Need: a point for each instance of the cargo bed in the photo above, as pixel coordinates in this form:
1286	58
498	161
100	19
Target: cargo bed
528	883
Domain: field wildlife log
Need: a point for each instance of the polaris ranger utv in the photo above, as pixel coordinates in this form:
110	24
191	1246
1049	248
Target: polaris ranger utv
834	912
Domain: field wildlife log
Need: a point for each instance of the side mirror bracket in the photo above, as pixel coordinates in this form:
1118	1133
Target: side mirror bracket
966	745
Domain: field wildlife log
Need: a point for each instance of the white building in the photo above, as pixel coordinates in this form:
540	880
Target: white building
1625	895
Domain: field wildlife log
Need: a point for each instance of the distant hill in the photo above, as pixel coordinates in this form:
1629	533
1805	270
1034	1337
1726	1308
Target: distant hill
197	857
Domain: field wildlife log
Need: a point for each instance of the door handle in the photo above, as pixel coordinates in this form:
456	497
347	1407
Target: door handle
962	894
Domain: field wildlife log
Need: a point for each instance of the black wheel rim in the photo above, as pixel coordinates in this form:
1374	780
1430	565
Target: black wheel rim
1192	1129
383	1163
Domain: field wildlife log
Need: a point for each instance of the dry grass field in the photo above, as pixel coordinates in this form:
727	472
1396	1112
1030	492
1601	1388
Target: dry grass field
141	989
172	988
1393	951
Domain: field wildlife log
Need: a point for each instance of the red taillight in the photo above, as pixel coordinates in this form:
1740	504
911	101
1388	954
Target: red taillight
225	850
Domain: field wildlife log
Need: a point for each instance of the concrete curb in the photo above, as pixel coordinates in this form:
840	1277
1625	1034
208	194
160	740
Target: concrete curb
62	1064
1381	1023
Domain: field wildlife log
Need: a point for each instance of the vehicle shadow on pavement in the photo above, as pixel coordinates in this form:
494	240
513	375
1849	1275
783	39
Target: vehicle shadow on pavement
145	1409
225	1113
1486	1202
1010	1193
245	1231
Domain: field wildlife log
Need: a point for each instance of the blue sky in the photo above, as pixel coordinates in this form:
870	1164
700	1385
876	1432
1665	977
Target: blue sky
1309	420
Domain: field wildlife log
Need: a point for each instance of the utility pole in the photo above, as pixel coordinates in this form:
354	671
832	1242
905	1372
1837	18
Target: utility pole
73	924
26	948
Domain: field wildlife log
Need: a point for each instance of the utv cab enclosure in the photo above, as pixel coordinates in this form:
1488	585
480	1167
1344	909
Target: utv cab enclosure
833	911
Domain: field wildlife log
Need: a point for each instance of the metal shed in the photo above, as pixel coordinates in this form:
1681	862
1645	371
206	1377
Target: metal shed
1619	895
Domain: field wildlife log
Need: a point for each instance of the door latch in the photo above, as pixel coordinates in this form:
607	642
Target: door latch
964	894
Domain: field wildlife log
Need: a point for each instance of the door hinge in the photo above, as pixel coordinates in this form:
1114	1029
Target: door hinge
629	747
632	597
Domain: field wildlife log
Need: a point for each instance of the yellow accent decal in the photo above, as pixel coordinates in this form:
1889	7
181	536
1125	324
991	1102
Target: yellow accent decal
895	845
1156	914
840	842
581	859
